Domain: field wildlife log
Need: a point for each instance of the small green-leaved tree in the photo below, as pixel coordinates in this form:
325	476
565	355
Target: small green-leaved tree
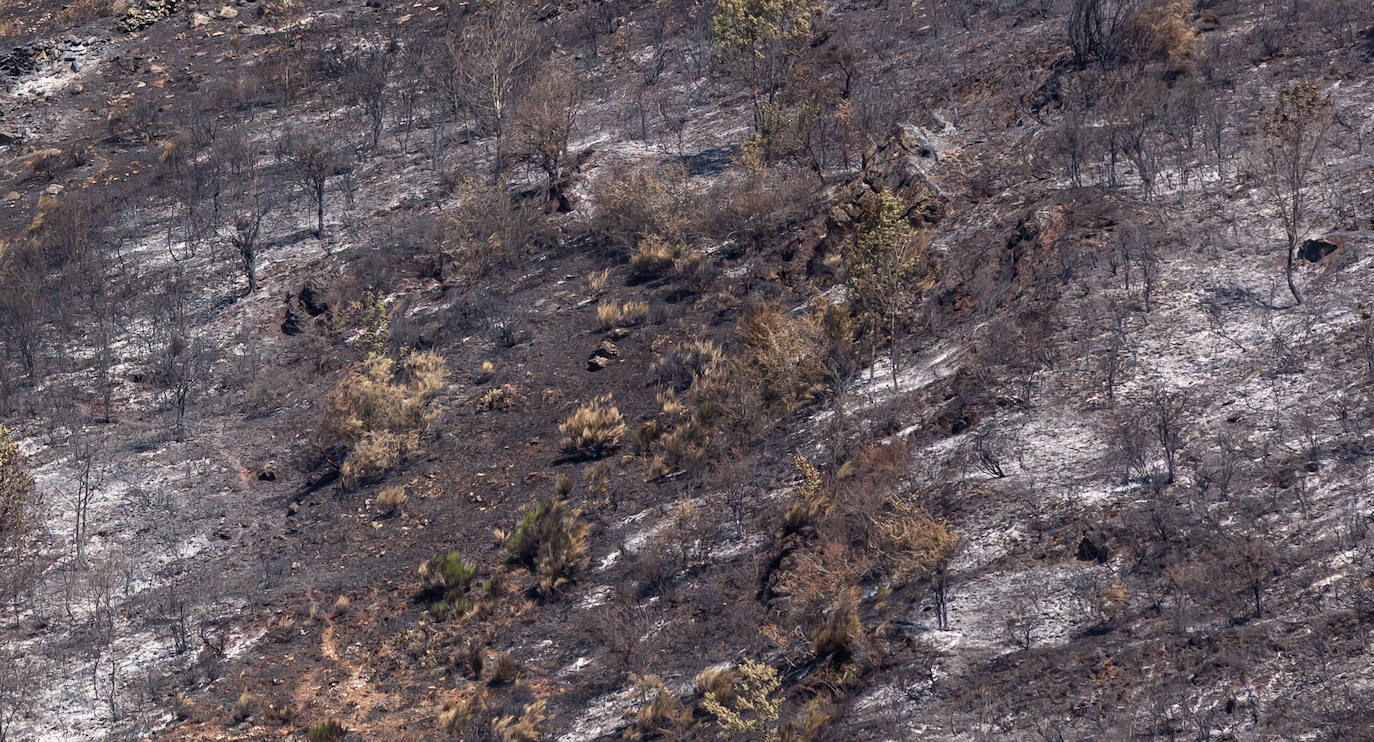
376	335
761	41
753	712
16	492
885	271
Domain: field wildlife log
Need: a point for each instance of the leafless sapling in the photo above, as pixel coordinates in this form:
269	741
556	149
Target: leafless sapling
1296	133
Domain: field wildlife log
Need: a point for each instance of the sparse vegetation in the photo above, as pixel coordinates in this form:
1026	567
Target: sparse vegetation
886	271
1295	136
16	493
452	576
787	330
660	712
624	314
501	397
527	727
918	548
390	500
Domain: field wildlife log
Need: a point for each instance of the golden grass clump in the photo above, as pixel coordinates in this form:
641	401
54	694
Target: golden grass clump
717	681
915	544
528	727
459	716
612	314
390	499
687	363
786	354
809	506
597	280
1160	33
243	707
502	397
840	631
340	606
654	256
380	410
660	710
595	429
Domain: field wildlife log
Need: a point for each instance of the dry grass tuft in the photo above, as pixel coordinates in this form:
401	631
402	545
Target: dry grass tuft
243	707
1160	33
840	631
810	507
660	711
595	429
597	280
82	11
460	718
719	682
654	256
340	606
528	727
502	397
610	314
687	363
551	541
380	410
390	499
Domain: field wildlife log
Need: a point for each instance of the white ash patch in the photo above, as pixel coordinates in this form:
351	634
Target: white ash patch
604	715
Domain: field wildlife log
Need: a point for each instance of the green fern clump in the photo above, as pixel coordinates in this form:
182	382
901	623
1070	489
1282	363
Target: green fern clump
550	541
522	546
455	576
326	731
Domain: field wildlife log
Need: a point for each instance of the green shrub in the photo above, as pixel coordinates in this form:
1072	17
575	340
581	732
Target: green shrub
326	731
550	541
16	492
454	576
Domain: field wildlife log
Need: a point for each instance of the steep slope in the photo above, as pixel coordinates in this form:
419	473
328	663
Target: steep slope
957	385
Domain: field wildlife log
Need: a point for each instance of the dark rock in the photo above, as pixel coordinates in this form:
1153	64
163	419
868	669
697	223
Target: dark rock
898	166
18	61
312	298
601	357
710	161
1093	548
291	323
1314	250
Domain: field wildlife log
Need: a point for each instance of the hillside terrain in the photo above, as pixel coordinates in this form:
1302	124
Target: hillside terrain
748	370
